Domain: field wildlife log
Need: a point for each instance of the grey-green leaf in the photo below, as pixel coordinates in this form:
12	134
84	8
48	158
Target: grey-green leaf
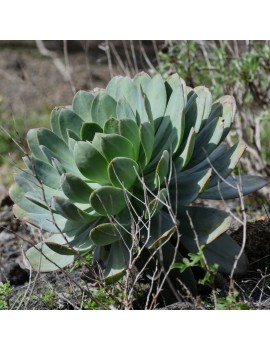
68	120
175	109
130	130
223	251
90	162
156	204
75	188
207	141
68	210
106	234
228	190
112	126
45	173
43	259
123	172
88	130
114	145
187	151
82	103
116	263
103	107
156	93
206	225
187	187
162	168
147	142
108	200
224	107
124	110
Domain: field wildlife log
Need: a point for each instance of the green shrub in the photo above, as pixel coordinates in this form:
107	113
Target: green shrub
238	68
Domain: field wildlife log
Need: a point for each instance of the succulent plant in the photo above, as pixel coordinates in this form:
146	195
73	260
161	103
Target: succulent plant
141	149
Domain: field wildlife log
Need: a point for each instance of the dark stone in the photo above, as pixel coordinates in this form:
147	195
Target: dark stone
16	275
180	306
257	246
6	201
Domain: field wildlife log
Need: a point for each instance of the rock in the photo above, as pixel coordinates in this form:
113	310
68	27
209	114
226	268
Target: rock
180	306
16	275
257	246
5	236
6	201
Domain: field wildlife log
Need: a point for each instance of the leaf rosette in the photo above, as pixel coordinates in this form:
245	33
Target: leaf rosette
141	148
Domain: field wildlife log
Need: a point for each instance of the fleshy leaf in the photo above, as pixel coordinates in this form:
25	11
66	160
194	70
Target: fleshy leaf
82	103
206	223
45	173
147	142
142	79
88	131
106	234
130	130
112	126
156	204
68	120
124	110
90	162
162	168
114	145
165	139
52	142
116	264
223	251
43	259
55	121
108	200
175	109
75	188
68	210
187	187
225	164
174	82
103	107
186	153
224	107
156	93
248	184
198	110
207	141
123	172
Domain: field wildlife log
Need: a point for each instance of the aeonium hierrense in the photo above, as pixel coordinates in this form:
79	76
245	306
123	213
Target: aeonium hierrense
129	156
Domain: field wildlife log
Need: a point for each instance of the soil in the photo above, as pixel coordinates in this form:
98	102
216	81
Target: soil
29	80
255	284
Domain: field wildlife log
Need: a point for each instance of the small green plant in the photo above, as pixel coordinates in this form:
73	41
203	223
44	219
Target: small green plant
79	263
225	302
5	292
103	299
198	260
48	297
231	302
119	171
